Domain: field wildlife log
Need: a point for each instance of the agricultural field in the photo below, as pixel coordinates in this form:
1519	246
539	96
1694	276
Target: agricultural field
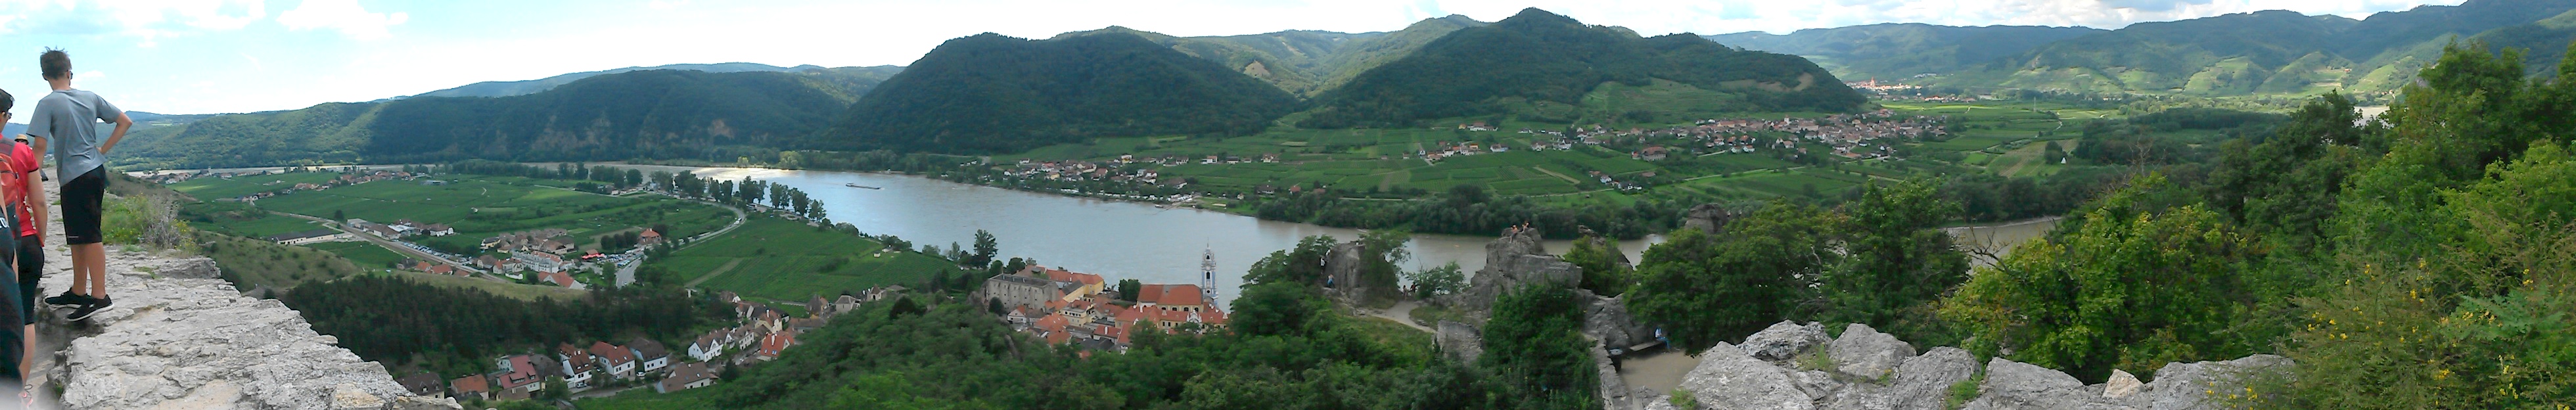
780	260
478	207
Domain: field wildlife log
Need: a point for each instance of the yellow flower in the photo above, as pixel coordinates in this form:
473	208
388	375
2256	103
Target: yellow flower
2442	374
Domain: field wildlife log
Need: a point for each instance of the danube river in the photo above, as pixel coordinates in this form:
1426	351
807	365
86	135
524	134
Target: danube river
1116	239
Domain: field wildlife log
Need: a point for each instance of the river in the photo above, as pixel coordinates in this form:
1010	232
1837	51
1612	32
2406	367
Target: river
1116	239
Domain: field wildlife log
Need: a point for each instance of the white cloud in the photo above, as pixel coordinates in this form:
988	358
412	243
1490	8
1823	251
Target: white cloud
145	20
343	15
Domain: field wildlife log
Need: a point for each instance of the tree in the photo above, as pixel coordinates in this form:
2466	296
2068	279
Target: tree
1442	280
1382	251
1278	309
986	246
1605	270
2130	293
1704	289
1535	342
1302	265
1128	288
1899	261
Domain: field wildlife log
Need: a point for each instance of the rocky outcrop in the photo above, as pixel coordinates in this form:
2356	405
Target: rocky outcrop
1517	259
180	337
1872	370
1708	218
1606	319
1459	340
1865	352
1784	340
1342	266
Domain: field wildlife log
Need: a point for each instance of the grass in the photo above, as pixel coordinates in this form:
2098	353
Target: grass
365	254
783	260
212	188
505	289
646	399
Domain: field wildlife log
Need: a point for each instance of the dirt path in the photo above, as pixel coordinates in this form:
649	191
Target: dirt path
1544	170
1401	313
720	270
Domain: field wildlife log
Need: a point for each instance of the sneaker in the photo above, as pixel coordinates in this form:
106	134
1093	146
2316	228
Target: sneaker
67	299
89	309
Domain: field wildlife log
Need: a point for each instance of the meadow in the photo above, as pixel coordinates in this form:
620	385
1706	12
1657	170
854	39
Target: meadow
774	259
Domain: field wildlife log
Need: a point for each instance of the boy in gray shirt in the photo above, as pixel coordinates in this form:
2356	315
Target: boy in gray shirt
67	120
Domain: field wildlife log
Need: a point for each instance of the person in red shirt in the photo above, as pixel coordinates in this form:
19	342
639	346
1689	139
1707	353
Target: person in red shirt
23	195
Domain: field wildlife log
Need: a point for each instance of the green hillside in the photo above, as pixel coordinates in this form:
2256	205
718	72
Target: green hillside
1898	50
867	75
657	113
992	94
1303	62
1538	57
2282	52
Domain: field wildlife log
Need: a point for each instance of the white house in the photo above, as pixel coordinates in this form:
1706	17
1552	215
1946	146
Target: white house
708	346
650	356
619	362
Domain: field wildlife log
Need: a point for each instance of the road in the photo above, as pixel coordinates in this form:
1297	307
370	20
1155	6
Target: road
387	244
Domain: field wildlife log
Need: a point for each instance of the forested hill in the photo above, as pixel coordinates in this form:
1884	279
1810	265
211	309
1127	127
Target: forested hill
1893	51
990	93
1541	56
1304	62
868	75
657	113
2267	52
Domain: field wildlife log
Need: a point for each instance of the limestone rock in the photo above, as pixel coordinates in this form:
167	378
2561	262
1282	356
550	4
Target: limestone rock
1865	352
1784	340
1459	340
2181	386
1517	259
2016	385
2122	384
1613	389
1607	319
1708	218
1727	378
1342	265
179	338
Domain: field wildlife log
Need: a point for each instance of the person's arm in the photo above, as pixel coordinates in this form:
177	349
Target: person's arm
122	123
36	199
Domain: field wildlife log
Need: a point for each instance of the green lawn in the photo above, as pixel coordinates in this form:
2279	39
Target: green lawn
646	399
785	260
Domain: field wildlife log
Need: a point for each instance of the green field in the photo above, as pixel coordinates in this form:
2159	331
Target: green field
478	207
212	188
504	289
781	260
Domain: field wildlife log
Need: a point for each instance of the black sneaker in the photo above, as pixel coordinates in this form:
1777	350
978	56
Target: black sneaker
68	298
89	309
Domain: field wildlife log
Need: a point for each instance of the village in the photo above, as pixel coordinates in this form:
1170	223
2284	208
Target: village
1079	309
759	335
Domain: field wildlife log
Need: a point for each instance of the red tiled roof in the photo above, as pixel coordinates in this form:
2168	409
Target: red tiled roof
579	359
614	354
471	384
1070	276
1053	323
1171	295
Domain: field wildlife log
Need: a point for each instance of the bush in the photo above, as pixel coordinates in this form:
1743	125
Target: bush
148	220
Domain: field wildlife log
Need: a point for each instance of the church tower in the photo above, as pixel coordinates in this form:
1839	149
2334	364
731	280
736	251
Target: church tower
1207	276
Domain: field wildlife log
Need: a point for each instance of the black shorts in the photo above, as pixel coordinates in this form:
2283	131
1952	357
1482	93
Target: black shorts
31	267
83	197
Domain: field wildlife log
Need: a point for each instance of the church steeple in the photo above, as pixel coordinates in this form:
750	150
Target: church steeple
1207	276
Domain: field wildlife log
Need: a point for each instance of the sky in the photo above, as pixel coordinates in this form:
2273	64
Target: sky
222	56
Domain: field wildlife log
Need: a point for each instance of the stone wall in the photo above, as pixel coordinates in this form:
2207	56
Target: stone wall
179	337
1864	369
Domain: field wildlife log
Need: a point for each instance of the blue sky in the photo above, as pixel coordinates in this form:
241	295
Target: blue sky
212	56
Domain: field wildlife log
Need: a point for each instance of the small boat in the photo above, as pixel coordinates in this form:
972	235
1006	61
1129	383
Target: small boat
860	186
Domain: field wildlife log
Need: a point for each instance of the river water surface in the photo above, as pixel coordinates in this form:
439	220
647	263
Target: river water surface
1116	239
